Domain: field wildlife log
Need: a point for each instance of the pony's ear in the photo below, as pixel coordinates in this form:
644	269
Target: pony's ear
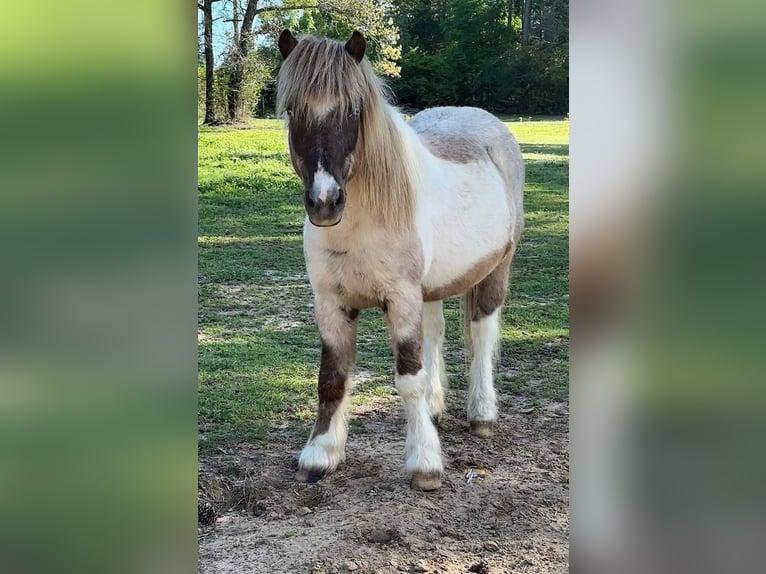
356	46
286	43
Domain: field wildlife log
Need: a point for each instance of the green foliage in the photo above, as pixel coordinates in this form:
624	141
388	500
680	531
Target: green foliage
469	52
258	345
338	19
258	70
434	52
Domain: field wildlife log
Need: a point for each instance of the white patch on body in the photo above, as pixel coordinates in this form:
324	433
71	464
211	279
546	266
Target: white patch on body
463	212
464	216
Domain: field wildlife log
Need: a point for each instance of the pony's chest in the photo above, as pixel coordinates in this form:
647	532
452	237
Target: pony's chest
361	275
356	279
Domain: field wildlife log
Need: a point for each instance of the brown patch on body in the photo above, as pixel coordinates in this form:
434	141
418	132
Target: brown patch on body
404	318
333	375
454	148
481	271
408	353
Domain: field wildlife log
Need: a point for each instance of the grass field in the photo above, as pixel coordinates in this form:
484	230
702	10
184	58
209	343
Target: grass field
258	345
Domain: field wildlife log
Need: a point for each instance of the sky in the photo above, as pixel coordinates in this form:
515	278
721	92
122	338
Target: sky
221	30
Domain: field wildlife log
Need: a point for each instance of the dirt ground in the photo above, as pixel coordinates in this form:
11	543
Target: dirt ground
364	517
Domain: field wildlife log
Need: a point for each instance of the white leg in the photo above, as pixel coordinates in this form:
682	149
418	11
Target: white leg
433	359
422	445
482	407
324	452
404	315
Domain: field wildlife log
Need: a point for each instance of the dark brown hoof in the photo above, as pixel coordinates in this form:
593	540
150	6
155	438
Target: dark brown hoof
482	429
309	475
426	480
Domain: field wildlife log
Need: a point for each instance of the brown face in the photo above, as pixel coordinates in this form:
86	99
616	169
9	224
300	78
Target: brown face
322	153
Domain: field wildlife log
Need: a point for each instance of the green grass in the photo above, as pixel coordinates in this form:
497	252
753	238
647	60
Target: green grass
258	346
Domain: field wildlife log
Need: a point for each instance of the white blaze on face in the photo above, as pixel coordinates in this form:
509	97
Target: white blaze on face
323	182
321	109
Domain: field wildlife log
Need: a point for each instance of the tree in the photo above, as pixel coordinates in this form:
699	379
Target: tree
525	22
471	52
240	49
207	12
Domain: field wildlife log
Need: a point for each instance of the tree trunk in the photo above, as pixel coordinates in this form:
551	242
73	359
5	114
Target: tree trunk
207	12
239	54
525	22
235	19
236	83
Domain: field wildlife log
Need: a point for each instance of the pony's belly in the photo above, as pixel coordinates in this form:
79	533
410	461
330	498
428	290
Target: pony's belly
456	280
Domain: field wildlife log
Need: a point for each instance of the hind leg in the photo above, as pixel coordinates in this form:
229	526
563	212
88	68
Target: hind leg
486	303
433	359
482	401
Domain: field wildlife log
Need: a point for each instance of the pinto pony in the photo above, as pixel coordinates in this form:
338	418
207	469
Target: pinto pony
399	216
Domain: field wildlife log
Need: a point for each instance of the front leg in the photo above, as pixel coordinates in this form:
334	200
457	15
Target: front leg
405	319
327	444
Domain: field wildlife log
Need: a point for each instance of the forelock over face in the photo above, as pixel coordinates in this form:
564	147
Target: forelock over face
321	76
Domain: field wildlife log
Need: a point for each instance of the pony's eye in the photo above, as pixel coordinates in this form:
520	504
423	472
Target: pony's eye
289	112
355	113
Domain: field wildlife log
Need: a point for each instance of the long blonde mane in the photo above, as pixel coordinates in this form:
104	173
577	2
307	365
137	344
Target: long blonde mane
320	75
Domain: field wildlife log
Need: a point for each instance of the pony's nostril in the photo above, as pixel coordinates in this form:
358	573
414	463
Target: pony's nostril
310	202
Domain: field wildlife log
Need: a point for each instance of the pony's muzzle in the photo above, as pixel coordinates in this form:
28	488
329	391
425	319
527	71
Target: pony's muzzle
324	205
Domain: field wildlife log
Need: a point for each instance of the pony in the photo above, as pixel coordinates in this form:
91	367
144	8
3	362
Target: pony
399	215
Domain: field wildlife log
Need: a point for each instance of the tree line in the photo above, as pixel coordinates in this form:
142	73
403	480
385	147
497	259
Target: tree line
507	56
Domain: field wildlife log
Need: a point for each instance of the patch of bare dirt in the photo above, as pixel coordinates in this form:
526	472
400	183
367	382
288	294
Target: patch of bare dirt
365	518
